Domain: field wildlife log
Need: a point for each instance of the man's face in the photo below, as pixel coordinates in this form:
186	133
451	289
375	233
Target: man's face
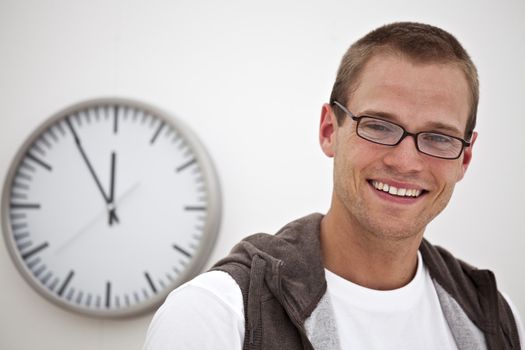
420	97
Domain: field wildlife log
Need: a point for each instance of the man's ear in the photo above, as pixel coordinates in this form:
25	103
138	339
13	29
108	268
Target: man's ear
327	128
467	156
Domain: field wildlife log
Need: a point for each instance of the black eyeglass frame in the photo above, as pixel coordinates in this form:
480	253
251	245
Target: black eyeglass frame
464	143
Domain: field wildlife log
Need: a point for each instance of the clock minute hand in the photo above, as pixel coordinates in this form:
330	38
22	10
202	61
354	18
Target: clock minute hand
86	160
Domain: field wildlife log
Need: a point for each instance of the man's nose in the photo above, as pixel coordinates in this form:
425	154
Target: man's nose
405	157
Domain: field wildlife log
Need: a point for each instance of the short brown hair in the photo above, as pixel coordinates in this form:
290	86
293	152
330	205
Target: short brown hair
419	42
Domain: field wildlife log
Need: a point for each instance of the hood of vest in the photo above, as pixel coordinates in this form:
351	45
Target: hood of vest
284	261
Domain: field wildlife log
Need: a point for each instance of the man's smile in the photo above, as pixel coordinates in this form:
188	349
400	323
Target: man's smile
404	191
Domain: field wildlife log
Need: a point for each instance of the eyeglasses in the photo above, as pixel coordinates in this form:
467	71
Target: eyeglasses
386	133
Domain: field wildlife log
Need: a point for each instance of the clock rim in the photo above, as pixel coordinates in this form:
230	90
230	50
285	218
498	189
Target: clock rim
210	231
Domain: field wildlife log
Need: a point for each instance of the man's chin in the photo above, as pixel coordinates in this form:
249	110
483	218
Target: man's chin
396	230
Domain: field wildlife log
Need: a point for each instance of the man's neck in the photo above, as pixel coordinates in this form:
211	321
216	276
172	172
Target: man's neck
366	258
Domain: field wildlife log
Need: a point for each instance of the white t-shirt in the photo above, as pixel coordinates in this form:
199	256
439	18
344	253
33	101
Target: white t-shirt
406	318
208	313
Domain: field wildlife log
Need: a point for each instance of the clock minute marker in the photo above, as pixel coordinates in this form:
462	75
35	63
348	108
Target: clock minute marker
78	300
95	112
115	119
108	294
66	282
20	236
185	165
32	263
52	133
46	278
181	250
169	277
45	141
199	179
35	250
39	149
24	245
25	206
135	114
28	166
24	176
18	226
157	132
194	208
53	284
18	195
77	118
38	161
70	294
39	270
162	284
150	282
17	216
86	115
20	185
61	128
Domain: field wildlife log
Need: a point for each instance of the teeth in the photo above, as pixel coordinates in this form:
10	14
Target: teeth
402	192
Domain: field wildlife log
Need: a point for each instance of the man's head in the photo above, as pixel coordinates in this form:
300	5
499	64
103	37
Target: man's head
393	191
420	43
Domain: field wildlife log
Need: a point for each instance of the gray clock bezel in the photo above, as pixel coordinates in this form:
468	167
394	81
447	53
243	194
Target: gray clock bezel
211	226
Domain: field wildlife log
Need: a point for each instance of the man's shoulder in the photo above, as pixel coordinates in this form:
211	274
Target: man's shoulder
473	289
288	260
464	282
294	242
211	304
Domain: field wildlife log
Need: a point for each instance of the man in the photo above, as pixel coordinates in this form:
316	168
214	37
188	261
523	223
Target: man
400	127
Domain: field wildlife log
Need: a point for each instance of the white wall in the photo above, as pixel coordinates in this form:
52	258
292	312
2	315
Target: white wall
250	78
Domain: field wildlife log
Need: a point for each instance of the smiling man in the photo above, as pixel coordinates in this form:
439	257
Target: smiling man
400	128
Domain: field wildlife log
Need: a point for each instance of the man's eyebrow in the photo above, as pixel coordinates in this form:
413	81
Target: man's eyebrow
431	126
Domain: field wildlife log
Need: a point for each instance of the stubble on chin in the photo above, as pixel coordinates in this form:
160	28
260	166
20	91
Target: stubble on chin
388	225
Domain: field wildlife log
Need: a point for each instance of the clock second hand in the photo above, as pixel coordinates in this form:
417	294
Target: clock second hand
96	218
91	170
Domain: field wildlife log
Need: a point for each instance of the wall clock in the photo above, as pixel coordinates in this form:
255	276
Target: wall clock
109	205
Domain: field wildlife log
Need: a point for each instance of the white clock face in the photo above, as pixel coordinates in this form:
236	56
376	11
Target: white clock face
109	206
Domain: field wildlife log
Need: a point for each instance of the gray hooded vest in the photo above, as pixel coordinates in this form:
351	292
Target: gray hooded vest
286	306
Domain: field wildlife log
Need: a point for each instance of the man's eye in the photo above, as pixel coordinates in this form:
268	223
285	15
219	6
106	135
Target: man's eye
436	138
374	126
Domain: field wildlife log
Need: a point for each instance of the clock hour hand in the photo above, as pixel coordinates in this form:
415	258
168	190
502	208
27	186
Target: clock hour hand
90	167
112	215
